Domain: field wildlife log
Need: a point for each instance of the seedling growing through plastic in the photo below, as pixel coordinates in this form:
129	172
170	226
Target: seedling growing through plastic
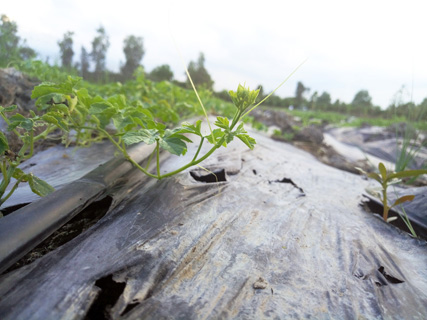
24	129
385	179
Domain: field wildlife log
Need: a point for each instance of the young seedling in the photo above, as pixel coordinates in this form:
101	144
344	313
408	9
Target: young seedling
24	129
385	179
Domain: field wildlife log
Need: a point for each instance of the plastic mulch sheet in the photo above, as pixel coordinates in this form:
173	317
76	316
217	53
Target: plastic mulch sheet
283	237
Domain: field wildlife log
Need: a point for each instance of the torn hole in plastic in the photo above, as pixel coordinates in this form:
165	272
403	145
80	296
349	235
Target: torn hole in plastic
209	177
389	277
9	210
287	180
110	292
129	308
73	228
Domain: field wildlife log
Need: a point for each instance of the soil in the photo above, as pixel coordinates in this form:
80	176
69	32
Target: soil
79	224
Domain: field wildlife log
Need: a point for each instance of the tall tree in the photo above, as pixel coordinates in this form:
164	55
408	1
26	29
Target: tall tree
161	73
134	51
66	48
324	101
84	63
100	45
362	102
11	46
199	74
299	95
362	98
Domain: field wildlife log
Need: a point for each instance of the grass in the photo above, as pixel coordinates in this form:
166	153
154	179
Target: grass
346	120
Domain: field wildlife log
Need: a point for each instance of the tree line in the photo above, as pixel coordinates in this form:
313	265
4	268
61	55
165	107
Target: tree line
91	65
360	106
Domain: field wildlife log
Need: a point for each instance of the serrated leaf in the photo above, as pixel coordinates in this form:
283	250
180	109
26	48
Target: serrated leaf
174	145
55	119
39	186
148	136
222	122
191	128
8	109
65	87
104	111
18	120
402	200
46	101
175	133
248	140
124	123
3	143
217	135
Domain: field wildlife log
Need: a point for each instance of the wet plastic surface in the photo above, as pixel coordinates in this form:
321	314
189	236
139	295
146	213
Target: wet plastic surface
377	143
283	237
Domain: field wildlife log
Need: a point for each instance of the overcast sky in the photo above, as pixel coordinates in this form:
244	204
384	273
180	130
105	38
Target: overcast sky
375	45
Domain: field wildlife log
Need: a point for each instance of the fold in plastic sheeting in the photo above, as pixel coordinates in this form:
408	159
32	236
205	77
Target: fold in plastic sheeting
284	237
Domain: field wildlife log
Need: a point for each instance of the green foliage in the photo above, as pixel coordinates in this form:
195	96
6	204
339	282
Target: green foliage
243	98
134	51
385	179
24	129
66	49
100	45
84	63
299	95
199	74
12	48
161	73
67	106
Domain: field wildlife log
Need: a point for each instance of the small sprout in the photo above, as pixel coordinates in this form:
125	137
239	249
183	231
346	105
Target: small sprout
243	98
386	179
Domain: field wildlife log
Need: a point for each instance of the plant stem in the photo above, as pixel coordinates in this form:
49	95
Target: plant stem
126	155
198	149
3	200
385	204
149	159
158	159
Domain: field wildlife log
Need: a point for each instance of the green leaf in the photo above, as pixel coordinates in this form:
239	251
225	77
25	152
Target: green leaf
383	171
47	101
55	119
222	122
403	199
65	87
174	145
104	111
19	174
39	186
217	135
149	136
375	176
407	173
175	133
243	98
248	140
3	143
191	128
18	120
8	109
